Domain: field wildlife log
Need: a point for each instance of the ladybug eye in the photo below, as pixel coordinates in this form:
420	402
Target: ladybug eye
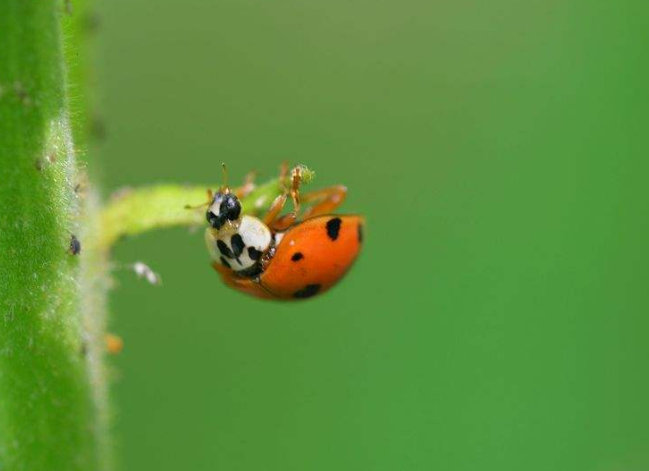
230	207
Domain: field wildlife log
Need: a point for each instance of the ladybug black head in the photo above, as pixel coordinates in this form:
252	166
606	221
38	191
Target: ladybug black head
224	207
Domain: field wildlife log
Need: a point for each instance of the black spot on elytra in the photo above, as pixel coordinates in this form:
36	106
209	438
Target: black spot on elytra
224	249
307	291
225	262
297	256
253	253
333	228
237	244
360	233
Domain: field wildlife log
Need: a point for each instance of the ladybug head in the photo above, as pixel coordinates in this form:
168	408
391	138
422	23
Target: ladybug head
225	207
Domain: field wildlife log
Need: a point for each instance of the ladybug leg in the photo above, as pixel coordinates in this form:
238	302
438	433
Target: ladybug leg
275	209
324	201
280	201
210	197
284	222
283	172
248	185
296	180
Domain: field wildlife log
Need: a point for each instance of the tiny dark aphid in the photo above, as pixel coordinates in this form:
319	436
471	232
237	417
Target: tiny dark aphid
75	245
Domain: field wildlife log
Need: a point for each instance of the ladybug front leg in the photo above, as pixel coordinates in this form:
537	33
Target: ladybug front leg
275	209
280	201
272	218
324	201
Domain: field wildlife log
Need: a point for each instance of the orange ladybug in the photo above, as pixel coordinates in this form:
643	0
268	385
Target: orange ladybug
283	257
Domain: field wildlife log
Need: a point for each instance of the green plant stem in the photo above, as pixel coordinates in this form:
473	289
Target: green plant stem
134	211
47	405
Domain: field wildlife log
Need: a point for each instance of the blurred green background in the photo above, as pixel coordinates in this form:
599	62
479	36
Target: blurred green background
497	319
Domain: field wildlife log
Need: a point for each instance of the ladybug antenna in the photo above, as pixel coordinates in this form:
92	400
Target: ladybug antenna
210	199
226	189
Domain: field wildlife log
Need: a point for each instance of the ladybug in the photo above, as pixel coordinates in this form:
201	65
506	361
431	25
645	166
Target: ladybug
282	257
